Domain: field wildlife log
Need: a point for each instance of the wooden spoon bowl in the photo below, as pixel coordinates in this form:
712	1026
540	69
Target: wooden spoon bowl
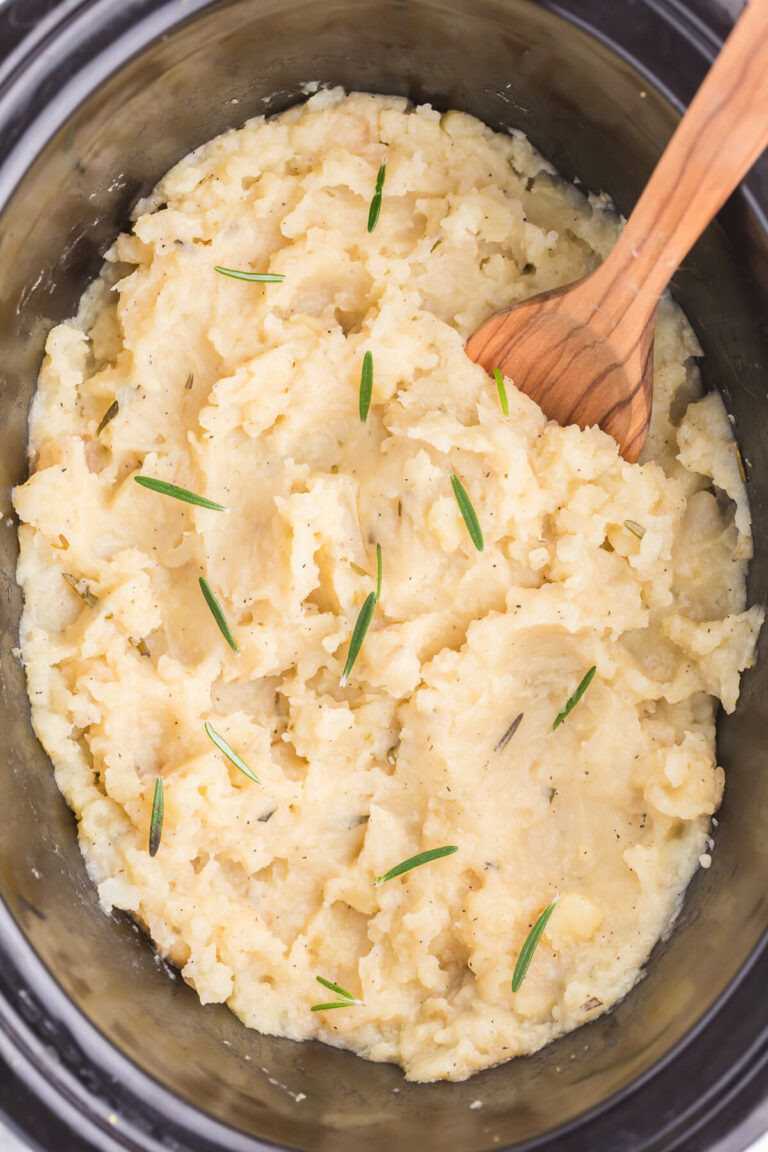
585	352
563	349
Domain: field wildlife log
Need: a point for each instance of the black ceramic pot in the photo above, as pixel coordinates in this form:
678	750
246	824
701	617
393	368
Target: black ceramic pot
104	1048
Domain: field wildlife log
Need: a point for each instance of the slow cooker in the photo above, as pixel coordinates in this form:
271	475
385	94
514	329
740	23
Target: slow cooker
104	1048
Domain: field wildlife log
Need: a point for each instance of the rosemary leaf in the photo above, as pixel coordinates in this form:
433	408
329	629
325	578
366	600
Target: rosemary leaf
573	700
257	277
335	1004
81	588
217	613
635	528
509	733
63	543
110	414
531	943
156	822
415	862
140	646
378	573
502	392
338	990
375	210
358	635
366	386
468	513
166	489
189	382
231	755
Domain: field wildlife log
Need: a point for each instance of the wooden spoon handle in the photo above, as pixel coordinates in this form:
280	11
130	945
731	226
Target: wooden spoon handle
717	141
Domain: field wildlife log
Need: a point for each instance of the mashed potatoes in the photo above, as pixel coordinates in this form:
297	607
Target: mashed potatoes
247	393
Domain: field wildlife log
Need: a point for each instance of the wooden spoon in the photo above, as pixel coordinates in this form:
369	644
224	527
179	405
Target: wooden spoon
585	352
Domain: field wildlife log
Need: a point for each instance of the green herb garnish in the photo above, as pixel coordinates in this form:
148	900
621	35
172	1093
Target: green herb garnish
635	528
364	618
415	862
358	635
80	587
375	209
166	489
468	513
531	943
740	462
573	700
346	999
231	755
253	277
156	822
217	613
110	414
366	386
509	733
502	391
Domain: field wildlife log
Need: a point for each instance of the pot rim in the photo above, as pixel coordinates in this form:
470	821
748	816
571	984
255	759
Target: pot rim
86	41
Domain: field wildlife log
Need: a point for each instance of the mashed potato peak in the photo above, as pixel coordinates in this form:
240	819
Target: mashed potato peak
248	394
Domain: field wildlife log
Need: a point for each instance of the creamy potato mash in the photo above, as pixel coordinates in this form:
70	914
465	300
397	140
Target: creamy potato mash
247	394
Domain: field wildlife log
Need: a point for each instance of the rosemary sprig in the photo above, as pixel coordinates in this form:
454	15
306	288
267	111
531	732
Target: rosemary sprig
346	999
156	821
80	587
635	528
363	621
509	733
739	462
468	513
110	414
362	625
217	613
531	943
257	277
366	386
335	988
415	862
231	755
375	210
166	489
502	392
574	699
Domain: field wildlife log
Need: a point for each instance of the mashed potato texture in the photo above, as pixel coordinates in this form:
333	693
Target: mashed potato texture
247	394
